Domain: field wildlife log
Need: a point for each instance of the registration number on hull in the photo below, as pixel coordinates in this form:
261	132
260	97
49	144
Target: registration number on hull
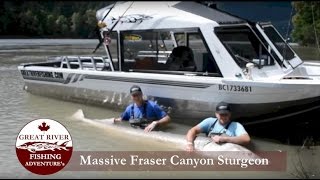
235	88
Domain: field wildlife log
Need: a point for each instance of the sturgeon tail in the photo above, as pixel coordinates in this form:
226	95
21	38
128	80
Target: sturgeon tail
78	115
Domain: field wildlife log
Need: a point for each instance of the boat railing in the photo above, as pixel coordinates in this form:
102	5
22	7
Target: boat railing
96	63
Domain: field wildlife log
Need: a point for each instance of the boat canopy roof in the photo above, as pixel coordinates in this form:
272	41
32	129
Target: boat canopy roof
209	13
163	14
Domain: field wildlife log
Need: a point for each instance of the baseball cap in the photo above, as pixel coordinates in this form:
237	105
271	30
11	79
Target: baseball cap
135	89
223	108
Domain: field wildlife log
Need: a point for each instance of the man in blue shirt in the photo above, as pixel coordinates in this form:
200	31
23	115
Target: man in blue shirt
146	114
220	129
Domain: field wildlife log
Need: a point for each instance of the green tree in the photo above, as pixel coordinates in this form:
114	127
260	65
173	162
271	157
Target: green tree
91	22
306	22
29	23
78	25
50	25
73	19
7	18
62	26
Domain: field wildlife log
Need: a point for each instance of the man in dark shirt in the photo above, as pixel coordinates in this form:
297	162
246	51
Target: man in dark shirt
144	112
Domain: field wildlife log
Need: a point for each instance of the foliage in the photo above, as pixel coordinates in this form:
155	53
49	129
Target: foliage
49	19
306	22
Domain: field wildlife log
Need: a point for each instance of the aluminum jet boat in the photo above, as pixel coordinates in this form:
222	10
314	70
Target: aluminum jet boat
187	57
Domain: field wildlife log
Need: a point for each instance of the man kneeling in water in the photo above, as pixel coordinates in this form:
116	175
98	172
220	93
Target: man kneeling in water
220	129
145	114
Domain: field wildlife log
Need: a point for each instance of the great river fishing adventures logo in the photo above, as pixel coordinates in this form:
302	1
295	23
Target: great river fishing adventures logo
44	146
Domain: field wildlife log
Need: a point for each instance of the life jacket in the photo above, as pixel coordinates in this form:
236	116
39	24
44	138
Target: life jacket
212	127
139	121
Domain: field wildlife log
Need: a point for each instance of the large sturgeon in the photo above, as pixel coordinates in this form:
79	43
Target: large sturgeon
202	144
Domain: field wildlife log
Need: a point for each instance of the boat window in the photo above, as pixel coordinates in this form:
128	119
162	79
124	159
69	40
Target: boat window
146	50
271	51
154	51
181	39
278	41
244	46
204	60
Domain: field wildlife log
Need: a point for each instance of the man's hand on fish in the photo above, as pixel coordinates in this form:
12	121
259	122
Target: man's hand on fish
218	139
190	147
151	126
117	120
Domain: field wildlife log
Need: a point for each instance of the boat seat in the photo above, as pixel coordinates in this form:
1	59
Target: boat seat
181	59
145	63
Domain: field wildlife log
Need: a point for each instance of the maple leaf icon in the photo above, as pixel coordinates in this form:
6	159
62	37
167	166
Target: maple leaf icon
44	127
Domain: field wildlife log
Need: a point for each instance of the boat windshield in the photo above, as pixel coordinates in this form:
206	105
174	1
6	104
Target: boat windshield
245	47
279	43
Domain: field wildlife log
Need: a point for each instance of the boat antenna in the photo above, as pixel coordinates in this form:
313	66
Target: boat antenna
97	29
289	23
109	11
110	30
314	27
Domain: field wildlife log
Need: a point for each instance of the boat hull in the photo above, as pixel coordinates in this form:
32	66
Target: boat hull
187	105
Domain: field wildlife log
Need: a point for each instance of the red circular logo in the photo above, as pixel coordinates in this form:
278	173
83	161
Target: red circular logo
44	146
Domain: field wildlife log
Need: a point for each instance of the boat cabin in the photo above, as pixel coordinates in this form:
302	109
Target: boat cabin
189	38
